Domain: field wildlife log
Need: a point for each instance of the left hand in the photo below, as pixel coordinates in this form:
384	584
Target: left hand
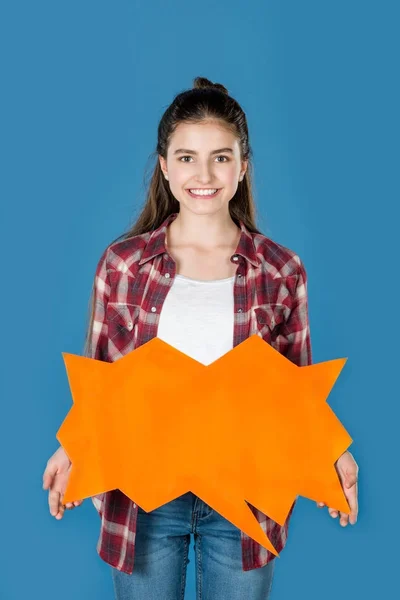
347	470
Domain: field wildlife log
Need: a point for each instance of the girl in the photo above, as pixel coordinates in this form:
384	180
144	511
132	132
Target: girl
195	271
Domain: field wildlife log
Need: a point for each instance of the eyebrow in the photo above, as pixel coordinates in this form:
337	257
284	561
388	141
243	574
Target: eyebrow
185	151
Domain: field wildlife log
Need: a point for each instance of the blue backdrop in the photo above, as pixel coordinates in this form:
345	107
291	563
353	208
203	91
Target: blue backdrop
83	87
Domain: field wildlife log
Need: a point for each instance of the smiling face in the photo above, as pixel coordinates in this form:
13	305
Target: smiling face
203	158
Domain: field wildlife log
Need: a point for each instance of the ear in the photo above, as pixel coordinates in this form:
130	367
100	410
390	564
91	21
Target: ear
163	164
243	166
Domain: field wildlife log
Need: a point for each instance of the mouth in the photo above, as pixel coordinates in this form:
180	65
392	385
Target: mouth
205	196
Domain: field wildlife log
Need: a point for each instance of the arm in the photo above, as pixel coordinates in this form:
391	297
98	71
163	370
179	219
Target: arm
293	340
97	330
96	341
56	474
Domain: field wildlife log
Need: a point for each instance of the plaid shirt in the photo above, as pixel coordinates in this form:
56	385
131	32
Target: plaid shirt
132	279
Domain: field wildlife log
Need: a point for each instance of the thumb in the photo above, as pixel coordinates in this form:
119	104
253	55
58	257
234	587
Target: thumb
351	479
48	476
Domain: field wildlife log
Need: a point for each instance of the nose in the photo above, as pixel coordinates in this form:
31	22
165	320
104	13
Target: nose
204	175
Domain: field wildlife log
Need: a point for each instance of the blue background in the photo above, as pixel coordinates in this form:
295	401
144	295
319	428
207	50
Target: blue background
84	85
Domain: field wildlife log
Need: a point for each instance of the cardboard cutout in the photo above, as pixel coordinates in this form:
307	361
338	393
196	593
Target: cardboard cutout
251	426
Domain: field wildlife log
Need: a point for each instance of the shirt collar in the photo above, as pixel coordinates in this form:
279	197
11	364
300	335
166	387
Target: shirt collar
156	243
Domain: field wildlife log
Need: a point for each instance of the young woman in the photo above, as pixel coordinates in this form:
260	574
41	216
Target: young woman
195	271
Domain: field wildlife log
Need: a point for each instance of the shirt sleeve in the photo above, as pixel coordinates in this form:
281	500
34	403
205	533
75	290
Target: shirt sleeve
97	330
293	340
96	335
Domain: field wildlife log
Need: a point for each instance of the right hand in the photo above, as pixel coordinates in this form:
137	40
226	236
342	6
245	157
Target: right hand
55	479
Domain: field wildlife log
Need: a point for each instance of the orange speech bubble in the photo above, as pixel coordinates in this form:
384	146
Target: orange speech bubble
157	423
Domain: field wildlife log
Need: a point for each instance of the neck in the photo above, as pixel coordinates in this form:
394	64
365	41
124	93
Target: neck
202	231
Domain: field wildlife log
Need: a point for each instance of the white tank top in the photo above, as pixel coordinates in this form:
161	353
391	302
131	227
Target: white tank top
197	317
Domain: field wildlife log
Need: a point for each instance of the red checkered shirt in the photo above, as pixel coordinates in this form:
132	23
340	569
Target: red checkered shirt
132	280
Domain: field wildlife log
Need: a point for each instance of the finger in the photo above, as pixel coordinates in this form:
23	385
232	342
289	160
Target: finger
47	478
320	504
351	494
353	516
353	503
61	510
344	519
73	504
54	502
333	512
49	472
61	507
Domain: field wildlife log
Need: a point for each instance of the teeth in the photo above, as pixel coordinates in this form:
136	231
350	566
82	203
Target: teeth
203	192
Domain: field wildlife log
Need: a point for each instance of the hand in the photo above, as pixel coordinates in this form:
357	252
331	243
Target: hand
55	478
347	470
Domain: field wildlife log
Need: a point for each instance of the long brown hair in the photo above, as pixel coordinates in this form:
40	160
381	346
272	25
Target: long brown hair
205	101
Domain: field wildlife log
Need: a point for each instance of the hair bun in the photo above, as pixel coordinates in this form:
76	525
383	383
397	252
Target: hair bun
201	83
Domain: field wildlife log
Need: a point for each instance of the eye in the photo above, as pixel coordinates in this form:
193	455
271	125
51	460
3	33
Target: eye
220	156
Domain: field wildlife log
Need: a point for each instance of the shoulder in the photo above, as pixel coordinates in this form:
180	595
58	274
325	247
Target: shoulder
276	259
124	254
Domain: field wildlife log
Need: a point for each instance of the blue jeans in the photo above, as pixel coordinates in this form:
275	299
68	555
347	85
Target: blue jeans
161	556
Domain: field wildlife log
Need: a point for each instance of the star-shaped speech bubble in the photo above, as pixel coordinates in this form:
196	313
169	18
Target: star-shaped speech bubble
250	427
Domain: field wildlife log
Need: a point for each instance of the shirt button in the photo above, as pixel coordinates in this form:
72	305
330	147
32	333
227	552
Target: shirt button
153	309
130	325
240	309
239	274
166	275
235	257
